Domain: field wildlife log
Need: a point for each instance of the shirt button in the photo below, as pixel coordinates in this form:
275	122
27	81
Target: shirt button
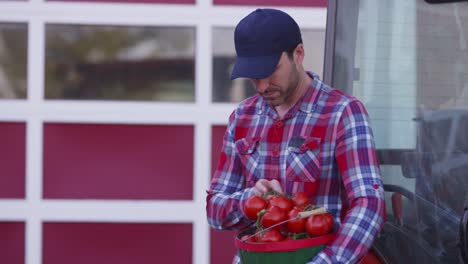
279	124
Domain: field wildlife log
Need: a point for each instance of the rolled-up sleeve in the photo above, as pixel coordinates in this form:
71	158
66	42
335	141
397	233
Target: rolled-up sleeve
358	165
228	193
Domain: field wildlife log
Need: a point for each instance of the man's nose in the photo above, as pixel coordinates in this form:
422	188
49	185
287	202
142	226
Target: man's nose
261	85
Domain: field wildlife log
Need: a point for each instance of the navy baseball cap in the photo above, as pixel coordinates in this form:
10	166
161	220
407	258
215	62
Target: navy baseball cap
260	39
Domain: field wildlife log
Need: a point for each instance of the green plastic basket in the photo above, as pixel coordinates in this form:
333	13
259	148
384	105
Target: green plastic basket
291	251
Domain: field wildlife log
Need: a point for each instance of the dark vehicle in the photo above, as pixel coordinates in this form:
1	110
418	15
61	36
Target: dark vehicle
407	60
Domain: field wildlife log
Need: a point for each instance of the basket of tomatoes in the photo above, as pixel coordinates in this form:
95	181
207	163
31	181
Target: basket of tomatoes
288	230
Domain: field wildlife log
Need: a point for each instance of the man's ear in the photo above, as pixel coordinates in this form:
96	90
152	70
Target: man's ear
299	54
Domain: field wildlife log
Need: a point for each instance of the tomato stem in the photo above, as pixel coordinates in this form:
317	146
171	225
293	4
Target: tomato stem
271	193
310	207
258	224
303	235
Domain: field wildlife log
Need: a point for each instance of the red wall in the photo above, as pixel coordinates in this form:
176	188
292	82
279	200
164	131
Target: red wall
12	159
222	248
101	161
12	236
116	243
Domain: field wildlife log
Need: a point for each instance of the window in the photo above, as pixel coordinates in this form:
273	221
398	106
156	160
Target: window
132	1
13	60
124	63
224	56
318	3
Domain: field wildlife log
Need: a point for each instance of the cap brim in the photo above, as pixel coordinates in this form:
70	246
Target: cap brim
255	67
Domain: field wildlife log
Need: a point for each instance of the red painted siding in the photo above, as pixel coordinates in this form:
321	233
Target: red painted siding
12	242
222	248
217	134
118	161
12	159
116	243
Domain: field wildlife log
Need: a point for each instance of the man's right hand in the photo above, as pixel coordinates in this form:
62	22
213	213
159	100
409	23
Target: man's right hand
262	186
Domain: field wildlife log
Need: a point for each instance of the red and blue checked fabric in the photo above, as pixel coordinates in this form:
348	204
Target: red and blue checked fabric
323	146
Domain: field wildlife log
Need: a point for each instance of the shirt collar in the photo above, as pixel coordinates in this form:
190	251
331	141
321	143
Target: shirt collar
308	102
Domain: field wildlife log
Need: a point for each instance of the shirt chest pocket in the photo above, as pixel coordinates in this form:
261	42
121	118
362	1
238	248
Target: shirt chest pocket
249	155
304	160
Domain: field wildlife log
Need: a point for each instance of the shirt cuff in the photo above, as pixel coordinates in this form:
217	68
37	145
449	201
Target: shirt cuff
322	258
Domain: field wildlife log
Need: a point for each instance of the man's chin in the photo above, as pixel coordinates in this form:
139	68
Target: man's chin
274	103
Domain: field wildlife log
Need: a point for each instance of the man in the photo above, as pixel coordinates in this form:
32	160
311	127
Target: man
296	134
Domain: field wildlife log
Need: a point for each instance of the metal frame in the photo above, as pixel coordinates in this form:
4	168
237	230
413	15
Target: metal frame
330	42
464	235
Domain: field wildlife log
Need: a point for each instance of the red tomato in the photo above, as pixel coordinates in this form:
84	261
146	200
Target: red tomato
271	235
253	205
282	202
298	225
273	215
300	199
319	225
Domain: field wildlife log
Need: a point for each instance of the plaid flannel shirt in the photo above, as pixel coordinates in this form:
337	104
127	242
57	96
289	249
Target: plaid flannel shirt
323	146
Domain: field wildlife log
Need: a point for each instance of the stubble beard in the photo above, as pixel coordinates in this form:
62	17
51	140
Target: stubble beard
293	82
287	96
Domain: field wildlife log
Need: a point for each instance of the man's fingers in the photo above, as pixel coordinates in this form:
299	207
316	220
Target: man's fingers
275	186
256	192
262	186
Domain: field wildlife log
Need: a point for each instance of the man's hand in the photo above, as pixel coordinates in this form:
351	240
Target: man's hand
262	186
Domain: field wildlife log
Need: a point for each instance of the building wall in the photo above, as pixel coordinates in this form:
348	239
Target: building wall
111	117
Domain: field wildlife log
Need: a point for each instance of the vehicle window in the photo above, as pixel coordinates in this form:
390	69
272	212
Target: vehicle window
434	136
461	139
407	61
